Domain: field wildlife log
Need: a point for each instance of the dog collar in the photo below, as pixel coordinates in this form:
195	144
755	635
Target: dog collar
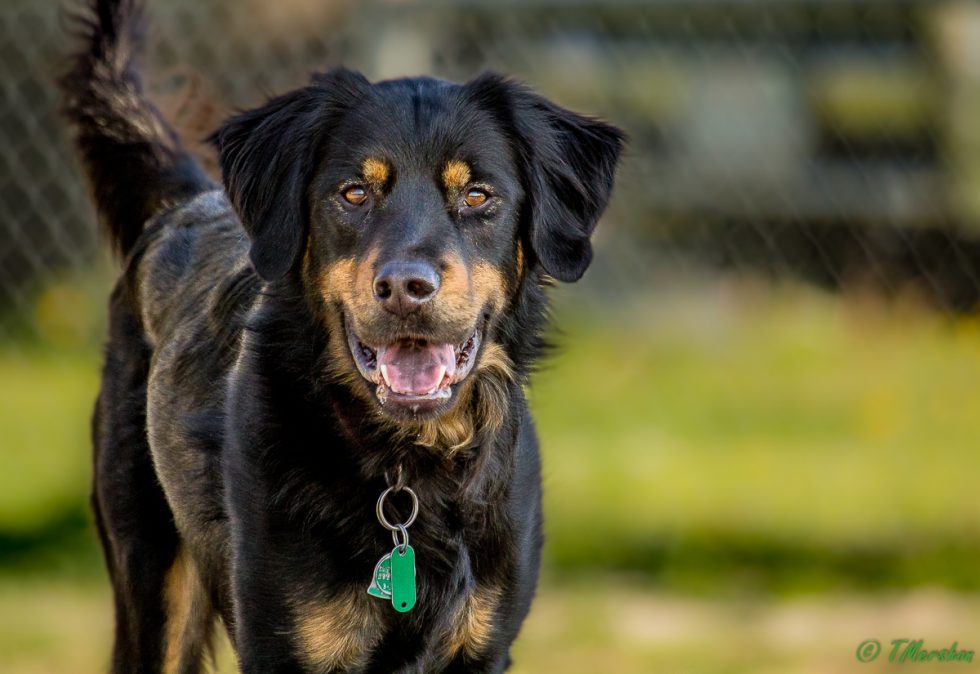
394	574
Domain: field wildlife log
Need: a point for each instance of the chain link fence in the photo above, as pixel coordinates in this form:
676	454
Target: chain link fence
834	140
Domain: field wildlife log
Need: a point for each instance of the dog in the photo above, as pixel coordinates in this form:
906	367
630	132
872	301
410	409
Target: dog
312	427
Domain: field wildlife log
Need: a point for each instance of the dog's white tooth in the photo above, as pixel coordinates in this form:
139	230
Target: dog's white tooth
442	375
384	374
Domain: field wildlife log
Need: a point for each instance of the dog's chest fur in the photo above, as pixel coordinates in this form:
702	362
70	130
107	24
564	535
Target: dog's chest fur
344	631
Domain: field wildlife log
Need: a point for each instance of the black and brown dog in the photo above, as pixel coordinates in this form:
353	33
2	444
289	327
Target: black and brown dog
359	308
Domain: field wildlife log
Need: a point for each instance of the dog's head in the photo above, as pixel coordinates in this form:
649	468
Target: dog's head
412	211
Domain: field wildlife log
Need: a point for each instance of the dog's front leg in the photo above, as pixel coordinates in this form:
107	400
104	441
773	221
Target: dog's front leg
294	612
262	616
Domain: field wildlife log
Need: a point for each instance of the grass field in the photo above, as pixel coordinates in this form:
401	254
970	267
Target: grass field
606	627
780	431
737	479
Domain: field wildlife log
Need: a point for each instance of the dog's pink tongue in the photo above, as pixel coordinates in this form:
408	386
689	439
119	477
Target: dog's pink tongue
416	369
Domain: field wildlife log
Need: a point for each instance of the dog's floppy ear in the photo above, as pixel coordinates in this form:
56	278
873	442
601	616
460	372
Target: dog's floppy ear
268	156
570	163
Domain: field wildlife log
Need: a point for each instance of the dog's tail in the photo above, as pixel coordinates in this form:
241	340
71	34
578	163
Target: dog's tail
134	159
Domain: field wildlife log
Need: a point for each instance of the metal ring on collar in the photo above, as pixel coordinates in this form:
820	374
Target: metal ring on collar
381	511
402	544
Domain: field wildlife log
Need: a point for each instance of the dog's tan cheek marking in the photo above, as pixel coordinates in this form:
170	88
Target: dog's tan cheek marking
455	175
336	633
363	287
375	172
336	278
473	625
453	285
463	294
350	282
178	590
454	301
488	285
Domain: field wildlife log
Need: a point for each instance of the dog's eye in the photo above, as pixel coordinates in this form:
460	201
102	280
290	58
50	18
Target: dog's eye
356	195
475	198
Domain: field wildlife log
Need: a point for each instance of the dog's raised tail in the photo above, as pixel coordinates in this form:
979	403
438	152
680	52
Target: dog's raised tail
134	160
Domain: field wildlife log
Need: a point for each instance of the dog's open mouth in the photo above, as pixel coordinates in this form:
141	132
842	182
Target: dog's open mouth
415	373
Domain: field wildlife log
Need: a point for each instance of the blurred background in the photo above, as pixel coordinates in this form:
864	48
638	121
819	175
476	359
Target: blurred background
760	432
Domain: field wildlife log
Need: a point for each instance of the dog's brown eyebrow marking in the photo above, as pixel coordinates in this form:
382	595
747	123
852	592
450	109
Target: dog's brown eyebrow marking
375	172
455	175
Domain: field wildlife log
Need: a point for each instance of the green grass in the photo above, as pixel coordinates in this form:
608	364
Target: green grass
46	400
758	431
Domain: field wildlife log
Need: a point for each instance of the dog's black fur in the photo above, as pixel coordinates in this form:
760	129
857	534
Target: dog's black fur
240	446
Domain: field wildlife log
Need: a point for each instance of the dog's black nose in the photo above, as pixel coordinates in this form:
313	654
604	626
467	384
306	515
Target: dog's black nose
402	287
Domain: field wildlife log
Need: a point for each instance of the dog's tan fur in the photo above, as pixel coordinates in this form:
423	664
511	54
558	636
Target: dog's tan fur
455	175
521	262
375	172
351	284
473	624
336	633
464	293
188	614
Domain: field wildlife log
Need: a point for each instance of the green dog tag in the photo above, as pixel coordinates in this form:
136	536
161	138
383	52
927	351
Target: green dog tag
381	581
402	579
